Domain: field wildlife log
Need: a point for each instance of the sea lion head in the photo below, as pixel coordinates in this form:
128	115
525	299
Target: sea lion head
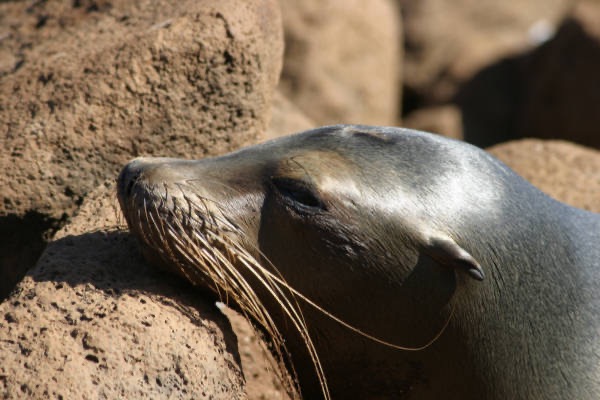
345	233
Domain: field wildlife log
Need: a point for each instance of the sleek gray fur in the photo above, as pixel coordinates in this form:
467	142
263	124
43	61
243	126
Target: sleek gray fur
395	213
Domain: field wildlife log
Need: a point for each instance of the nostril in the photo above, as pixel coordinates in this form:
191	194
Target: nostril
131	183
141	171
127	180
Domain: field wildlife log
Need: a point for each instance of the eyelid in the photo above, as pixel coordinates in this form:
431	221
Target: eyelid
298	192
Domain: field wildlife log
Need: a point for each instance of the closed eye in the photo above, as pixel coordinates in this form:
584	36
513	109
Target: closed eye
298	192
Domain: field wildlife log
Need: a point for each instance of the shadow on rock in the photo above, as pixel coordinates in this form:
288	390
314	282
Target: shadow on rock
110	261
22	241
550	92
92	318
490	102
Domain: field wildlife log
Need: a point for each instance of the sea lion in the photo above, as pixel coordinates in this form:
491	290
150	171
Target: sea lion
393	263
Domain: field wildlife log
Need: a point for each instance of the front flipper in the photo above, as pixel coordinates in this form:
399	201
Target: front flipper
447	252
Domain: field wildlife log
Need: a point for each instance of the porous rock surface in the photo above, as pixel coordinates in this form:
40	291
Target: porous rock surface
566	171
262	382
343	60
161	77
86	85
94	269
93	320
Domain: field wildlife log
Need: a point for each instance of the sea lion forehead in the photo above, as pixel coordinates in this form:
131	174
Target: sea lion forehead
347	138
352	158
380	134
393	146
358	142
324	168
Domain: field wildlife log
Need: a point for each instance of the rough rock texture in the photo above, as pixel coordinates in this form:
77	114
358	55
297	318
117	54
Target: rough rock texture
566	171
87	85
446	42
93	320
342	60
262	383
163	78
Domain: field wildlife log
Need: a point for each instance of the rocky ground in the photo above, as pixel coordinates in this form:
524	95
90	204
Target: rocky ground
86	85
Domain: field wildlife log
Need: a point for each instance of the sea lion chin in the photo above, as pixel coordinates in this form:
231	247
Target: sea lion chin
384	262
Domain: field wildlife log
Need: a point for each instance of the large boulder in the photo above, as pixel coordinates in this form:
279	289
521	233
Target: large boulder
343	60
87	85
92	320
566	171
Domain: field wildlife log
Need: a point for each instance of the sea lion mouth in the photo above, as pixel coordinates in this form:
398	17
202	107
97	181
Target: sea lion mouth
161	221
189	232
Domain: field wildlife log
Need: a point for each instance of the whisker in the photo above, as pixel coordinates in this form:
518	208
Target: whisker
193	234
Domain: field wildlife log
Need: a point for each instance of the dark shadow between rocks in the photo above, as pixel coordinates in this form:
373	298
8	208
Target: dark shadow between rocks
489	103
550	92
110	261
22	241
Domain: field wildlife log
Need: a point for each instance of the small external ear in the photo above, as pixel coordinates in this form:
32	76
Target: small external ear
447	252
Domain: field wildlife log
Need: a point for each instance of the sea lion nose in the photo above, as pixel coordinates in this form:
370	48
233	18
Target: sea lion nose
134	170
148	169
129	175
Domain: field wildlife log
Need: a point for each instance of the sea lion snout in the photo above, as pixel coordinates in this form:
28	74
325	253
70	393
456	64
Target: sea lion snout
128	176
150	168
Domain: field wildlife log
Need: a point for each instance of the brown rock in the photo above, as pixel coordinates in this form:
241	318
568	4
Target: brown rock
445	120
97	83
93	320
286	118
262	382
178	81
342	60
446	42
568	172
